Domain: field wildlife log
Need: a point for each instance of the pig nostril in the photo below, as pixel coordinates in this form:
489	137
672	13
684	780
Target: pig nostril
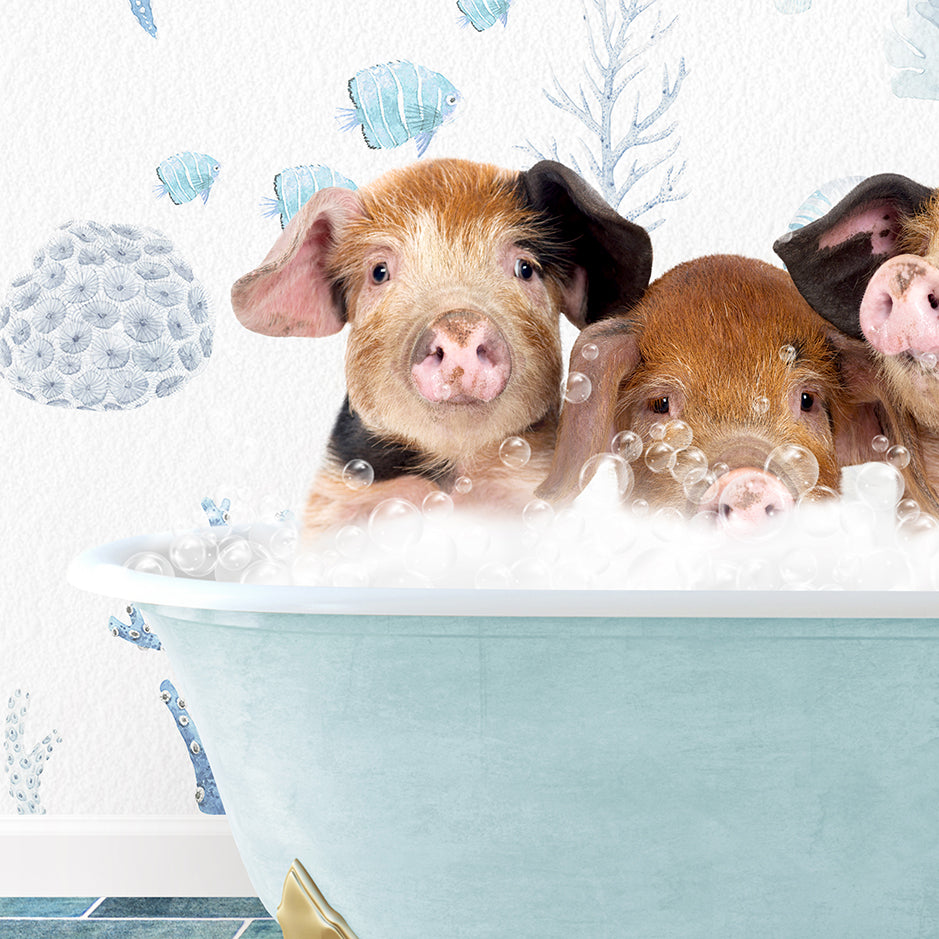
438	354
771	510
934	301
726	511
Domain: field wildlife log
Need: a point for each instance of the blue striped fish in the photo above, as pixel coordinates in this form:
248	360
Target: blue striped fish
186	175
294	186
481	14
398	101
141	10
826	196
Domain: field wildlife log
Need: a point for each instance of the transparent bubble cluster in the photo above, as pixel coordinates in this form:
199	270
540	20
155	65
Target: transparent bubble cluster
24	766
109	317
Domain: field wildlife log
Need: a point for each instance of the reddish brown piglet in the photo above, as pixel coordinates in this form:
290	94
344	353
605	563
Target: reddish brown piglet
451	277
760	383
871	267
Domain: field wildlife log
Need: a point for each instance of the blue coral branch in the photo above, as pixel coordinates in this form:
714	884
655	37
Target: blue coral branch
141	9
25	769
218	514
138	632
207	797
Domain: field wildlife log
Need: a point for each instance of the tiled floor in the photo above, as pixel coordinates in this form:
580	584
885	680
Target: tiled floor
136	918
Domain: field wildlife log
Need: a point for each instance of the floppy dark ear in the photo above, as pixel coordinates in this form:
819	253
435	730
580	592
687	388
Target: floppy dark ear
832	259
291	293
615	254
586	428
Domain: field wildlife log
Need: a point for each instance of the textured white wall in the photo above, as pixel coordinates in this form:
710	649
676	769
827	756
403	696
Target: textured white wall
773	106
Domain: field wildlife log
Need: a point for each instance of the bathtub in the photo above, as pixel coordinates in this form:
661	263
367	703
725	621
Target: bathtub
547	764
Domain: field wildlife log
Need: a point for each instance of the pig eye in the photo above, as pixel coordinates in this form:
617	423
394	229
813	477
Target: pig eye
380	273
807	401
524	269
659	405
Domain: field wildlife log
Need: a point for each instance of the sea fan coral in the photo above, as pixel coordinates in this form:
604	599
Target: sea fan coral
109	317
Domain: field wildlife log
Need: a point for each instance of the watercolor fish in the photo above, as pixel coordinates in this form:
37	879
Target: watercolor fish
141	9
481	14
294	186
186	175
826	196
399	101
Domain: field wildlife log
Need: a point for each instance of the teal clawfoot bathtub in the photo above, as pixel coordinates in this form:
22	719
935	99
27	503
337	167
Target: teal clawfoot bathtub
441	764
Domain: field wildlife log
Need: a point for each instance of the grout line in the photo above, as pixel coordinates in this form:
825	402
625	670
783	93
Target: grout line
243	929
92	908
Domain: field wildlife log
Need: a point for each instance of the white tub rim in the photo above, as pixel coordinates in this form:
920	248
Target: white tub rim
100	570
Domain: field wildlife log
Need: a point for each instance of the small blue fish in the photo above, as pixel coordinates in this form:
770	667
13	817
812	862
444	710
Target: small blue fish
138	632
294	186
141	9
218	514
398	101
826	196
481	14
186	175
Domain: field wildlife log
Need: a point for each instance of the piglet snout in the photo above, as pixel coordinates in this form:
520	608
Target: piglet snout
461	358
746	499
900	309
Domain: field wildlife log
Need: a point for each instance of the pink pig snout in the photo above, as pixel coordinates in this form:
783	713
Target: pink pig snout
900	309
746	498
461	358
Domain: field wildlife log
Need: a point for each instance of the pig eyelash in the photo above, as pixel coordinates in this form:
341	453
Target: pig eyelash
525	269
659	405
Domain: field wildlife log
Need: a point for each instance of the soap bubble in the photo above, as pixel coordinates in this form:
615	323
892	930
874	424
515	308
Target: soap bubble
657	431
193	554
818	511
627	444
639	508
880	444
907	508
857	519
760	405
277	541
437	505
351	541
358	474
879	485
530	572
349	575
927	361
660	456
578	388
608	470
757	573
234	554
898	456
434	555
885	567
589	351
538	515
677	434
787	354
799	567
265	571
514	452
395	524
463	485
794	465
569	526
917	527
689	462
700	488
150	562
720	469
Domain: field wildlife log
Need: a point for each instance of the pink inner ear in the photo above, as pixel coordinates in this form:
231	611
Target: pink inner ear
574	298
291	293
880	219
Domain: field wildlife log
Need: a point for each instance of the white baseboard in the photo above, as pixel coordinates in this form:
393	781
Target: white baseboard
118	855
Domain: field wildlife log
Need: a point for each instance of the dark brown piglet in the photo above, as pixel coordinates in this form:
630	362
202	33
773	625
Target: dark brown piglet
870	266
761	384
451	277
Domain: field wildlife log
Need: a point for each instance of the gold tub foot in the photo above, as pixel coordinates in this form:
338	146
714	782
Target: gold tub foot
304	913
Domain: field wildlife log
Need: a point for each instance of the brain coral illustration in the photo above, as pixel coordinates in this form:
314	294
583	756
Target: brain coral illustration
110	317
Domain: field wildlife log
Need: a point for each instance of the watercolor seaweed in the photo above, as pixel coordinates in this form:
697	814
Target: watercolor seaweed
619	45
23	768
912	47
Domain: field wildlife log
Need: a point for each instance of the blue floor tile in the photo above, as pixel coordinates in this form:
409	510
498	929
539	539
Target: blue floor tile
240	908
118	929
45	906
263	929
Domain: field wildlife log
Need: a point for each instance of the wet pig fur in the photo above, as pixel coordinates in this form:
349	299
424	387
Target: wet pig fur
727	345
451	277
